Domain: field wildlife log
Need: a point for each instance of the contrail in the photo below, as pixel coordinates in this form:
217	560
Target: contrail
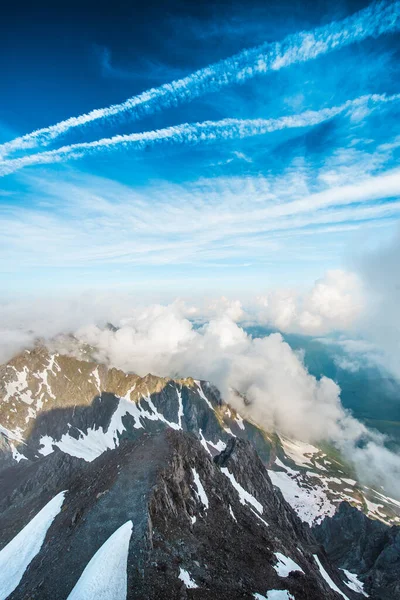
195	133
378	18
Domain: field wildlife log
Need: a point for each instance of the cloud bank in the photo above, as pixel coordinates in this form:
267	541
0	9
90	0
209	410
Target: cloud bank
209	342
282	395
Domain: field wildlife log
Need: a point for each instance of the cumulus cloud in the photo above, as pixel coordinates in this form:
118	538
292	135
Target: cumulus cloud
335	302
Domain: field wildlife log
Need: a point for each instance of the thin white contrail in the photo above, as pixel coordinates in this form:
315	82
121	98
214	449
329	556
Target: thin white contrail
378	18
194	133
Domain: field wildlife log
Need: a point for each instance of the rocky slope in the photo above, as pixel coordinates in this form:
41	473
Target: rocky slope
364	546
93	460
199	528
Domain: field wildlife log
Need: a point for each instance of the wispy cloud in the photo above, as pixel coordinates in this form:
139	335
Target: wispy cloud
82	221
195	133
378	18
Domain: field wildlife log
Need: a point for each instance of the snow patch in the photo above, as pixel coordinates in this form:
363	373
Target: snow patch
96	376
157	416
202	394
239	421
275	595
328	580
180	408
298	451
258	517
310	504
19	386
232	513
105	576
201	492
244	495
96	441
228	430
16	556
15	454
219	446
354	583
285	565
187	580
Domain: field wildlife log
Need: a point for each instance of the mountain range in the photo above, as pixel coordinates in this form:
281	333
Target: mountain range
116	486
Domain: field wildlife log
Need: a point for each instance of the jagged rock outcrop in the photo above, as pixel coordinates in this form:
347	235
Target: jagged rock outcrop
363	546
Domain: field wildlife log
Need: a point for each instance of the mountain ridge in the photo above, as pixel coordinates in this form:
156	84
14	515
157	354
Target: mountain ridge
76	427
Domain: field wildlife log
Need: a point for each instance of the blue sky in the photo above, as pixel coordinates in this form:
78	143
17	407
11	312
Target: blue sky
264	171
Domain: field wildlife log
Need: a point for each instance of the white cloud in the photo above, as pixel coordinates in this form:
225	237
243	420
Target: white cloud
282	395
78	220
334	303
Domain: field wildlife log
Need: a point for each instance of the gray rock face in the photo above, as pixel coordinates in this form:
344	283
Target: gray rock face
186	514
363	546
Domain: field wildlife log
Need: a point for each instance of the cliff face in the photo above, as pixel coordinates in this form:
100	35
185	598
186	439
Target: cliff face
361	545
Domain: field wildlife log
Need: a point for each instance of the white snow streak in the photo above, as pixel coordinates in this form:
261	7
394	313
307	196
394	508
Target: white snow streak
219	446
328	580
19	553
232	513
202	395
244	496
239	421
92	444
105	577
201	492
